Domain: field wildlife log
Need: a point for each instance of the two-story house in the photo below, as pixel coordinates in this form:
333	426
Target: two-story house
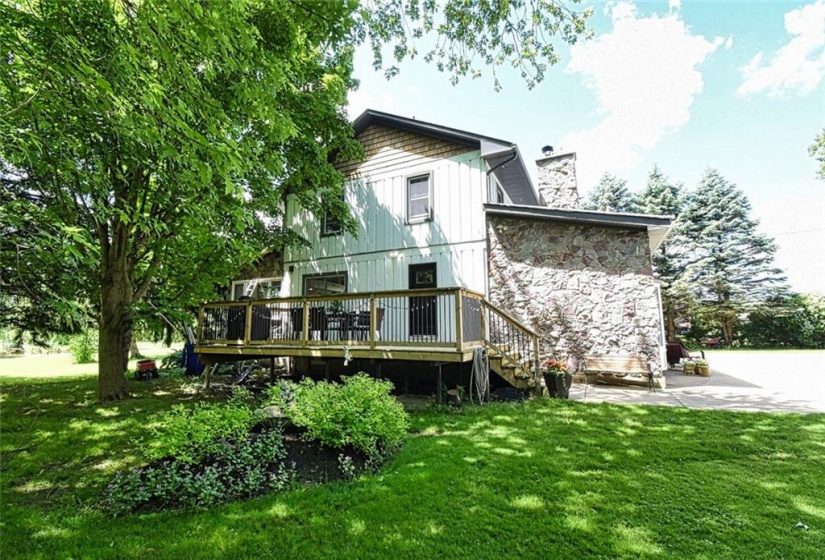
456	252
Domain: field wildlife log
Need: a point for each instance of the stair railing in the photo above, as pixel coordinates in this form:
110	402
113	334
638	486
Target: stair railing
517	344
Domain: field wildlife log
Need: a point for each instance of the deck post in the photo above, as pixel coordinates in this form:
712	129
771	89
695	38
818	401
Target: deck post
459	321
373	320
485	336
207	372
305	325
247	333
536	358
440	386
200	323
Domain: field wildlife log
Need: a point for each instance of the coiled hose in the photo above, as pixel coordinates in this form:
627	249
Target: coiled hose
480	377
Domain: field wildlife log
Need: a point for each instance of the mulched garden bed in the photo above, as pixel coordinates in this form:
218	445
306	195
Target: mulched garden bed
314	462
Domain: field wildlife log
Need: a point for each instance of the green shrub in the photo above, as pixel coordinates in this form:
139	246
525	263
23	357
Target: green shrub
172	360
189	434
83	347
232	470
359	412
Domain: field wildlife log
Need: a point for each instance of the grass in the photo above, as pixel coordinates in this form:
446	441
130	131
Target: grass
545	479
60	364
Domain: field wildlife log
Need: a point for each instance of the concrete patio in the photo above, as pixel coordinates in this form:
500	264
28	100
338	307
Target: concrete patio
758	380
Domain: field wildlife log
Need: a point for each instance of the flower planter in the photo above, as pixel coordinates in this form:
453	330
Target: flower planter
558	385
688	368
704	371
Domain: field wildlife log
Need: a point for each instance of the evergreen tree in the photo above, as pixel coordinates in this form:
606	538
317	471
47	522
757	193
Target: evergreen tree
662	197
610	195
728	265
817	151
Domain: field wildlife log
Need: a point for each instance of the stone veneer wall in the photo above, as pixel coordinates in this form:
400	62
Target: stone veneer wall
600	277
557	181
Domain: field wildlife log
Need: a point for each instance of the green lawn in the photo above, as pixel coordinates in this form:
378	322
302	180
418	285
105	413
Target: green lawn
544	479
60	364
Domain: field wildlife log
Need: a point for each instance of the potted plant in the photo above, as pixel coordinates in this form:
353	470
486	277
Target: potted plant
688	367
702	368
557	378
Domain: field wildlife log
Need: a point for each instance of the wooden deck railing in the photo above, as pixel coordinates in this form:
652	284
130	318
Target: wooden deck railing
516	344
442	317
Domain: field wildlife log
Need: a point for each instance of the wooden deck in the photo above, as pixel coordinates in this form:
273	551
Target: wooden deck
435	325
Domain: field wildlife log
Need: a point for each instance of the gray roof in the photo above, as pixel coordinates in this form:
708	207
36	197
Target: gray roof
512	176
656	226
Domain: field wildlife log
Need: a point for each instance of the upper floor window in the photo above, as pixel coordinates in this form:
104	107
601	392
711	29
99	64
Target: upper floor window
419	198
330	225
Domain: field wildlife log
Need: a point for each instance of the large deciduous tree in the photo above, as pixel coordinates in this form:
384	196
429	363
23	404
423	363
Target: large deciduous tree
610	195
164	134
158	139
728	263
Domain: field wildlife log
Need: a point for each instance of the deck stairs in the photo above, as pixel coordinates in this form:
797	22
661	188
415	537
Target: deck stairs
517	370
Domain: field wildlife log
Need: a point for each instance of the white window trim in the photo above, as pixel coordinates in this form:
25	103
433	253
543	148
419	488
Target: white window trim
259	280
429	216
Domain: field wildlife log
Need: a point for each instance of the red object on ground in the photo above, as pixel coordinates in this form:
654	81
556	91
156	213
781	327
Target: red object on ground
146	365
713	342
146	369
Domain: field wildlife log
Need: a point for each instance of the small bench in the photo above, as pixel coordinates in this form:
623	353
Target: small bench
620	370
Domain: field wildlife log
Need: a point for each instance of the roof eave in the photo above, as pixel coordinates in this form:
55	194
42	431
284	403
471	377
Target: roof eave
657	226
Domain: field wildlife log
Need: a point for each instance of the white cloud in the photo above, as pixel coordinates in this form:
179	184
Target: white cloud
799	65
645	79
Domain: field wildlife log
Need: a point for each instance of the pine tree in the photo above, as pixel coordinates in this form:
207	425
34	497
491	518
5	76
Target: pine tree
610	195
662	197
728	264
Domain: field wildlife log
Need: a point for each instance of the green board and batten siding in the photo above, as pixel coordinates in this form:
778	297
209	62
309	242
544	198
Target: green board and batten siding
379	257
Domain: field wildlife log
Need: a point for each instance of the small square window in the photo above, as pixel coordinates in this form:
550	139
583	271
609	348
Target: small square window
419	205
330	225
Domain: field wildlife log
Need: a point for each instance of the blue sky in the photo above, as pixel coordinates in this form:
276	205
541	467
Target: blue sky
738	86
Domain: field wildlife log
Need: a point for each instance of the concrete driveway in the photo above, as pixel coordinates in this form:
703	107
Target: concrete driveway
751	380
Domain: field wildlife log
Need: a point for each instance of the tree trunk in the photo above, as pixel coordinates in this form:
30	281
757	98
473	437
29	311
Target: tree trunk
115	331
670	323
727	330
134	351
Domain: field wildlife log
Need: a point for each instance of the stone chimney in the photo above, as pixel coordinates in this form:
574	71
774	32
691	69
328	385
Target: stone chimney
557	180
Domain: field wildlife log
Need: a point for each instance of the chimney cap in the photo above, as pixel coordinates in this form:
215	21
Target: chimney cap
547	150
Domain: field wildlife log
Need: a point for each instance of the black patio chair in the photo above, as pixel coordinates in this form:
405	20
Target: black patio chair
361	328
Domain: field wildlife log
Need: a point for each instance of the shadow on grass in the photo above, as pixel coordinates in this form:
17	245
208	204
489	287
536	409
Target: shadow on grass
540	479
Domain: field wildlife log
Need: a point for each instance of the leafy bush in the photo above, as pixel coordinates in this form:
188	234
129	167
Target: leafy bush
359	412
189	434
172	360
232	470
83	347
797	321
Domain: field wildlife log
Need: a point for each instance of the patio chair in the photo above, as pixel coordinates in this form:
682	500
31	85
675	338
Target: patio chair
361	327
677	351
317	322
